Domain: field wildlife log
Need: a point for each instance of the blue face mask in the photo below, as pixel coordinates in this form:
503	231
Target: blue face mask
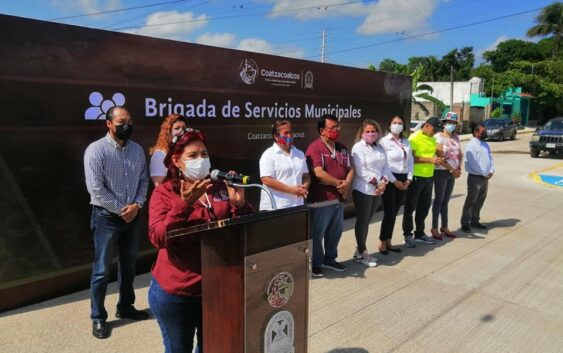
450	128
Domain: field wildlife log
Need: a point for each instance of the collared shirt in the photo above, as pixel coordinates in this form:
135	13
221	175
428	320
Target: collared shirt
287	169
451	149
399	155
336	163
478	159
423	146
370	165
115	176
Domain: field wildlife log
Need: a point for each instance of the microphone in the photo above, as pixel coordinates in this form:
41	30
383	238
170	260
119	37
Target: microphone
217	175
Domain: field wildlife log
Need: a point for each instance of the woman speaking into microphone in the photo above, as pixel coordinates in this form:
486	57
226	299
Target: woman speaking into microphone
187	197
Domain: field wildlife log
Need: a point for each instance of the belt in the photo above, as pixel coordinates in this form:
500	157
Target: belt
477	176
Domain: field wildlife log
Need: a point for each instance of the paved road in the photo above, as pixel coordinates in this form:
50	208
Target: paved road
497	291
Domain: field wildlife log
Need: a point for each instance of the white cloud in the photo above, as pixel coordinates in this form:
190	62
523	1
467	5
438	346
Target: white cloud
178	25
383	16
224	40
261	46
87	6
492	46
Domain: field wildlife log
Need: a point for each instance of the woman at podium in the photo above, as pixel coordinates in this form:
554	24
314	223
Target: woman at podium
187	197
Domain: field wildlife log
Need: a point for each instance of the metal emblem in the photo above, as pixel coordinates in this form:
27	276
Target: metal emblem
279	334
280	289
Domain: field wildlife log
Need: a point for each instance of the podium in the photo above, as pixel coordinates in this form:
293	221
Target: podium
255	272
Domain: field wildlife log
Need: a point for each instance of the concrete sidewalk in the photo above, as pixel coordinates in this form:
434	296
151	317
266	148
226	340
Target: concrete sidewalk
496	291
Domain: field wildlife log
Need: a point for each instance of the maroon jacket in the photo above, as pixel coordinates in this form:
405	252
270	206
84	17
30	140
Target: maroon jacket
178	265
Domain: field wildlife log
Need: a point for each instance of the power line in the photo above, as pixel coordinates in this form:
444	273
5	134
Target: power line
237	16
431	33
117	10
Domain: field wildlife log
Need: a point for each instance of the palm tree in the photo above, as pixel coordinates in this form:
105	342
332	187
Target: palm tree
549	21
425	91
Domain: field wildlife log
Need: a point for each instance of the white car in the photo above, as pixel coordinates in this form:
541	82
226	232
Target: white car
416	125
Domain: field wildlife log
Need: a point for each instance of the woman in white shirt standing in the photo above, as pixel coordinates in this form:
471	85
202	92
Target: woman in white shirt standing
370	180
401	164
172	125
448	147
283	169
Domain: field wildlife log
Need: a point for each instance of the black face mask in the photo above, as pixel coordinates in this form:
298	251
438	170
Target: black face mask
123	132
483	136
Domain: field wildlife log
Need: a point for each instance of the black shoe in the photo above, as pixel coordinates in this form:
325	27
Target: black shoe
466	229
334	265
100	329
384	252
478	225
396	250
131	313
318	272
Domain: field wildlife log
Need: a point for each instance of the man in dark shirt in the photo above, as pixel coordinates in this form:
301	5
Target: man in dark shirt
330	167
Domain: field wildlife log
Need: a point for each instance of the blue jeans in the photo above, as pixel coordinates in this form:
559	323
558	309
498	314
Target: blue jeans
326	225
112	234
178	318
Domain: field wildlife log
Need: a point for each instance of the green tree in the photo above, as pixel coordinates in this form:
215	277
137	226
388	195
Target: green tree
390	65
423	91
512	50
461	60
549	22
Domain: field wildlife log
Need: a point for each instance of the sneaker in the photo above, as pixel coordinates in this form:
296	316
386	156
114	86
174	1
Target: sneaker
365	259
317	272
436	234
424	239
334	265
409	243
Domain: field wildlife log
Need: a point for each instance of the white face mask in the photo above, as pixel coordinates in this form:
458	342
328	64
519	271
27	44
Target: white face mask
396	128
450	128
196	169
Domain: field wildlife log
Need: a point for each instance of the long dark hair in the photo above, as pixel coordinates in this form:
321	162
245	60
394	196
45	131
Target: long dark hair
403	133
176	149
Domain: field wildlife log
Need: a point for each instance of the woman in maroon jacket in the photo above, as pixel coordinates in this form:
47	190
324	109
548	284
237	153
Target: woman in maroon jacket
186	197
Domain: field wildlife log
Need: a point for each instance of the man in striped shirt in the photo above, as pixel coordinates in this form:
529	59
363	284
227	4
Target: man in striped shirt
116	178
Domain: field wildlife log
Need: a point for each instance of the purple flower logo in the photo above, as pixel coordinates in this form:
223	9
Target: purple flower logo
100	106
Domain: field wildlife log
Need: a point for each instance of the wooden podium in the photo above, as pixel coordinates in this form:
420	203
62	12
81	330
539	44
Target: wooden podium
256	274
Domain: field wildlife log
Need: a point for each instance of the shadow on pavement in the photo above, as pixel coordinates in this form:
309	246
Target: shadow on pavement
348	350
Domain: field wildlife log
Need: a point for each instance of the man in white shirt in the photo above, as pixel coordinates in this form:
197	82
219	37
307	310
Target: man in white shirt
283	169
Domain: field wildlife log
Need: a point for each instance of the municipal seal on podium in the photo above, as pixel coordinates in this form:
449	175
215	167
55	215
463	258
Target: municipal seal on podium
279	334
280	289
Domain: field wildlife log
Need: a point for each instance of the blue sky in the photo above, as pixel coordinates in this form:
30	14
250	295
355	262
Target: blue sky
356	31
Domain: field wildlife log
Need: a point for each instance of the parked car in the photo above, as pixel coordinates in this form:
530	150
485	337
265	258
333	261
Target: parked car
416	125
548	138
500	129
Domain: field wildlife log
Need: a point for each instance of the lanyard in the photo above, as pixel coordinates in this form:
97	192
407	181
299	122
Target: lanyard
400	144
209	208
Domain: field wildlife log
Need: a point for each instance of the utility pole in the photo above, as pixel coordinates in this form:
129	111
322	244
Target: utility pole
493	87
323	46
451	88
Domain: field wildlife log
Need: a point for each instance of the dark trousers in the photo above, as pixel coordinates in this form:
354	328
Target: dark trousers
419	199
178	319
326	229
477	186
365	207
112	235
443	186
392	199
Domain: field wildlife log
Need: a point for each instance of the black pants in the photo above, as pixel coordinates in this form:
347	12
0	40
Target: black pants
419	199
477	187
365	207
393	199
443	187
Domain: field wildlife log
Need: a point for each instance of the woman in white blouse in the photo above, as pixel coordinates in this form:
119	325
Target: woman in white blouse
401	164
172	125
283	169
370	181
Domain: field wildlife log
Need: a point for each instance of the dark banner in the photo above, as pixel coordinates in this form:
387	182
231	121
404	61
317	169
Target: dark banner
57	81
